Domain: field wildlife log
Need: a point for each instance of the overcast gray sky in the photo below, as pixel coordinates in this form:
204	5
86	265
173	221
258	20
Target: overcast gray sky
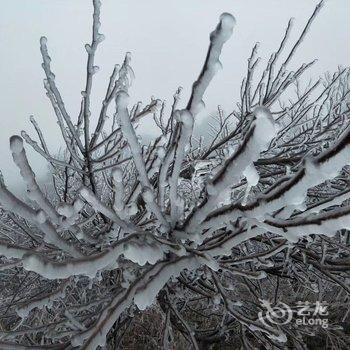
168	41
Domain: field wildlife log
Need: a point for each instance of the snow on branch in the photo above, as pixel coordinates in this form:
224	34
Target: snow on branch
212	63
188	237
34	193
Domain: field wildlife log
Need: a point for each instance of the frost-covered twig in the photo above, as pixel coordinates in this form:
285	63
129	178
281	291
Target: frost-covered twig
212	64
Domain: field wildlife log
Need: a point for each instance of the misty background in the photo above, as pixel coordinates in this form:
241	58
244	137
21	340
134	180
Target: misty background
168	41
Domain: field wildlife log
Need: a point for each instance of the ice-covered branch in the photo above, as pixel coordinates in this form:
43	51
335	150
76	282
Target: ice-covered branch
11	203
91	198
91	69
34	193
50	76
257	139
188	234
130	135
186	119
138	248
212	63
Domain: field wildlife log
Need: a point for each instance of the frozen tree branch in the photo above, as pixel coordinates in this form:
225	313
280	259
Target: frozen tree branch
189	238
